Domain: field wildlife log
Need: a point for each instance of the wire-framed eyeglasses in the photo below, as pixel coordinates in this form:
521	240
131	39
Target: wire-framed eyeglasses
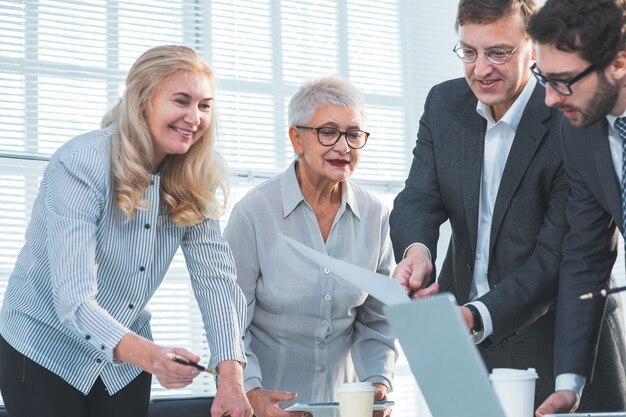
329	136
563	87
498	56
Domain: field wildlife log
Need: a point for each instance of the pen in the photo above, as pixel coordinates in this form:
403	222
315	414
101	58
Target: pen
184	361
602	293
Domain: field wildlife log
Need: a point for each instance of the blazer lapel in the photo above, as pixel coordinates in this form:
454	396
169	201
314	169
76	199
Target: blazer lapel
528	137
604	164
472	147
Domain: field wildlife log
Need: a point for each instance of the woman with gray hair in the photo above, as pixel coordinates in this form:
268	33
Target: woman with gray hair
307	332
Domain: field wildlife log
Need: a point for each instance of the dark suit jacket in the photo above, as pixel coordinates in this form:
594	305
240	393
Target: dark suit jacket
527	228
594	212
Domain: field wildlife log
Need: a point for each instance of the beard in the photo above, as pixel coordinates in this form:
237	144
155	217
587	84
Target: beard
598	107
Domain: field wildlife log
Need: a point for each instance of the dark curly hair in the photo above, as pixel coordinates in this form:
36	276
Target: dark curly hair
593	28
488	11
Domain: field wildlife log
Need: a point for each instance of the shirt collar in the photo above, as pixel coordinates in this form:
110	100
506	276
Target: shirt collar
292	195
611	119
514	114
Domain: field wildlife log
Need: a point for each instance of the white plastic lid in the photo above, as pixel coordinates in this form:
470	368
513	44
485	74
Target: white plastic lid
356	386
502	374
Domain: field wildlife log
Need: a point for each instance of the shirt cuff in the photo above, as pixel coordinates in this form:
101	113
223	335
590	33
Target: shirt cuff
486	317
430	258
378	379
252	383
570	382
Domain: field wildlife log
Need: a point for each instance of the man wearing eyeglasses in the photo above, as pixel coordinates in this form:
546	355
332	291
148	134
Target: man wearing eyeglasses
581	59
488	159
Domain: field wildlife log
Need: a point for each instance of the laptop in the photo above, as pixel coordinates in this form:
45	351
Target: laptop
447	366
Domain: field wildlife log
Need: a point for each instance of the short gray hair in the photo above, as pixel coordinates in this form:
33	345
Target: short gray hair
323	91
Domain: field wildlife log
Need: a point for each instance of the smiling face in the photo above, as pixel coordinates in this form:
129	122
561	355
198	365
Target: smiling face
497	85
593	97
179	113
321	163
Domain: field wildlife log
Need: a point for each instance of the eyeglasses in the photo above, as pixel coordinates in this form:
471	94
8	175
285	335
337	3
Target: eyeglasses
329	136
563	87
497	56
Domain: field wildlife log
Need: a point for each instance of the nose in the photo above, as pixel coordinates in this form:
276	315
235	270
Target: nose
552	97
192	116
482	66
342	144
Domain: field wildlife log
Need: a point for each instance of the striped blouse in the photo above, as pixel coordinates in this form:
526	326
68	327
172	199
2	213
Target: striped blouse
85	275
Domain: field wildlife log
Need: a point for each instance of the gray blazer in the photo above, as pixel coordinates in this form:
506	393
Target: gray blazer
594	213
527	229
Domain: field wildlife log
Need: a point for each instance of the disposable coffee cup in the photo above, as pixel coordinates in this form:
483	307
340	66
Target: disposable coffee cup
356	399
515	388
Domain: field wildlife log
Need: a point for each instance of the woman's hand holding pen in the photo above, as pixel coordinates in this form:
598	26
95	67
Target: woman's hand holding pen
414	272
172	374
152	358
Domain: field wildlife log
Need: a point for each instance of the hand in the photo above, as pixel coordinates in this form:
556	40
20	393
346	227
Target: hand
171	374
564	401
467	316
230	399
414	272
265	403
381	395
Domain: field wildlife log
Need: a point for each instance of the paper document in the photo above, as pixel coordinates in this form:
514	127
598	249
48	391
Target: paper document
379	286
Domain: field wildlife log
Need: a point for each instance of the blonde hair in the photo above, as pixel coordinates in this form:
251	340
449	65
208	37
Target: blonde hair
190	181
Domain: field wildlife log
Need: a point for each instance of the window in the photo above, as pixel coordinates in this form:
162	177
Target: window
63	64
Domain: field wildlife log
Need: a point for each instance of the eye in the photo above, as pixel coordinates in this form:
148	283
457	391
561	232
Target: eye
328	132
354	134
498	53
204	106
181	101
468	53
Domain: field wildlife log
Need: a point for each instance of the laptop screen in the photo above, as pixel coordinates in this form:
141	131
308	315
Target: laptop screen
447	366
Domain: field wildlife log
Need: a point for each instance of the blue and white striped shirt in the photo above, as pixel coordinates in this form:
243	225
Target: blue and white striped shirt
85	275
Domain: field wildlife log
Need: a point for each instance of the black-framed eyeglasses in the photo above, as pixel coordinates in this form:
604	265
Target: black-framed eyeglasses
498	56
329	136
563	87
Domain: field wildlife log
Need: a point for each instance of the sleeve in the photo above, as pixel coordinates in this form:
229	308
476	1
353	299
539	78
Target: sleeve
75	188
222	304
241	236
534	285
373	350
589	252
421	195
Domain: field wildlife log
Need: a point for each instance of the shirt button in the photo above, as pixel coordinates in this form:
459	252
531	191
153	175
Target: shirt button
131	306
87	337
322	345
98	360
326	271
147	225
323	368
141	268
151	182
102	347
324	322
328	297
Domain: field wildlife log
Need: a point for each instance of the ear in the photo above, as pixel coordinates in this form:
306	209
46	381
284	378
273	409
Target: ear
617	68
296	140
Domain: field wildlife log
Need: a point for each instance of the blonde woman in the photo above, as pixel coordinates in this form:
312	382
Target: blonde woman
114	206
